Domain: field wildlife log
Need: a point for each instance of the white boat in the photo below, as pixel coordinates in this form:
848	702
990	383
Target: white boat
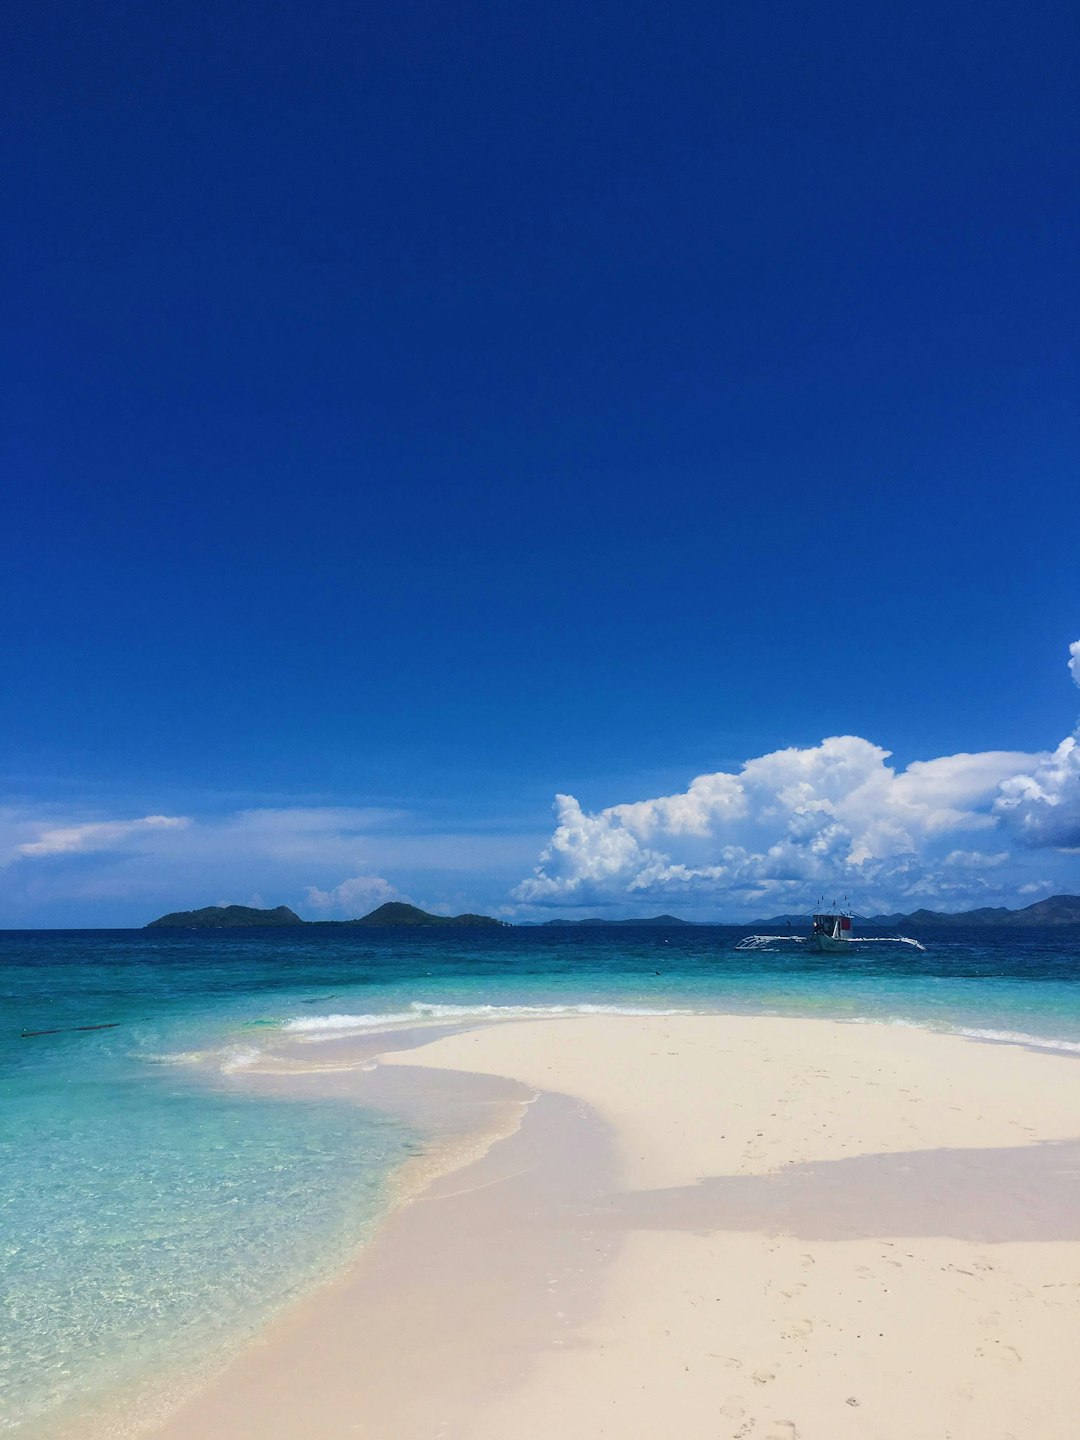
831	930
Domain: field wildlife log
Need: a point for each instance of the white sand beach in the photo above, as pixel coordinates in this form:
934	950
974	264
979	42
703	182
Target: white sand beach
715	1227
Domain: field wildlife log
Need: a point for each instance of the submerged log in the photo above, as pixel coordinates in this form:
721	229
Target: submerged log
70	1029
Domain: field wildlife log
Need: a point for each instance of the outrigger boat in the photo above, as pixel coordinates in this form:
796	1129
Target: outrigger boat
831	931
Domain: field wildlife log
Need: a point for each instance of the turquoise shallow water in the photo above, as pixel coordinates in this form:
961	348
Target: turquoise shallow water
150	1210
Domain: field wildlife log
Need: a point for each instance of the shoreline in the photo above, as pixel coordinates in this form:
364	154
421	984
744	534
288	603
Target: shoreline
976	1136
444	1308
755	1157
456	1123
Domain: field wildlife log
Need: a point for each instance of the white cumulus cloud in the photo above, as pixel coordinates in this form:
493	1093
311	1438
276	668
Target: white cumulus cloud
1074	661
830	818
1042	807
359	893
832	814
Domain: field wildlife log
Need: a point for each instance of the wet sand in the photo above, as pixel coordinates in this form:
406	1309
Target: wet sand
755	1228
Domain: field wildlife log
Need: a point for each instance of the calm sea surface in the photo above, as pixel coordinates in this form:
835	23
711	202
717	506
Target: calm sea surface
151	1211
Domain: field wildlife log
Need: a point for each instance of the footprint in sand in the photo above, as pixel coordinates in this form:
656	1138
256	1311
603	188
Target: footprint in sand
732	1408
797	1330
782	1430
762	1377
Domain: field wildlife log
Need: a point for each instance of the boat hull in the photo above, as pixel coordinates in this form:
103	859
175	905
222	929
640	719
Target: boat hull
826	942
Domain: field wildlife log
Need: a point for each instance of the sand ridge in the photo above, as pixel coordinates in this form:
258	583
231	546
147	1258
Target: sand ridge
921	1278
732	1228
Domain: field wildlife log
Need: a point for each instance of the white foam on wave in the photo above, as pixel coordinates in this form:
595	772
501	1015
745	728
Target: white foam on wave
171	1057
973	1032
423	1012
1019	1037
239	1058
314	1024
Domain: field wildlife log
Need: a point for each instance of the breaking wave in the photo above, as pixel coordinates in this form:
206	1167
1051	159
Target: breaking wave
422	1012
969	1032
1018	1037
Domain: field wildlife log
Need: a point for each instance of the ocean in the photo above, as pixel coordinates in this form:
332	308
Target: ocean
154	1211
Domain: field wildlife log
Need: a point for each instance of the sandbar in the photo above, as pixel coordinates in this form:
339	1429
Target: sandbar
725	1227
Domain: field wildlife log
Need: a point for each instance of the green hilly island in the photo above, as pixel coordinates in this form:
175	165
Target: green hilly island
226	917
396	912
235	917
1057	910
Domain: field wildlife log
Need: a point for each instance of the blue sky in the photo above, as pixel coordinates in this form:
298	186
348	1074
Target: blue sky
412	414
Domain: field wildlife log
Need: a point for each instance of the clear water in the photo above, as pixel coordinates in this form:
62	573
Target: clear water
148	1215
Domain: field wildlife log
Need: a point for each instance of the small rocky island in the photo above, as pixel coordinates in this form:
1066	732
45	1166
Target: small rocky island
396	912
236	917
225	917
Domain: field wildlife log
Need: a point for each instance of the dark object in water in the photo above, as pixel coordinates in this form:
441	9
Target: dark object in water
70	1029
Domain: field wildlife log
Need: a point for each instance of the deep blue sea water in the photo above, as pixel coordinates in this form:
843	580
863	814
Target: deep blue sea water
149	1215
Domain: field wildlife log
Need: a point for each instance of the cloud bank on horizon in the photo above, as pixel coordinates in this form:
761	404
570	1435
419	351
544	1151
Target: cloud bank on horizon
326	861
831	818
835	818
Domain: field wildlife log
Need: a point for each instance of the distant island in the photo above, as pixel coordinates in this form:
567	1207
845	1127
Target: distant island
396	912
225	917
1059	910
236	917
596	920
1056	910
